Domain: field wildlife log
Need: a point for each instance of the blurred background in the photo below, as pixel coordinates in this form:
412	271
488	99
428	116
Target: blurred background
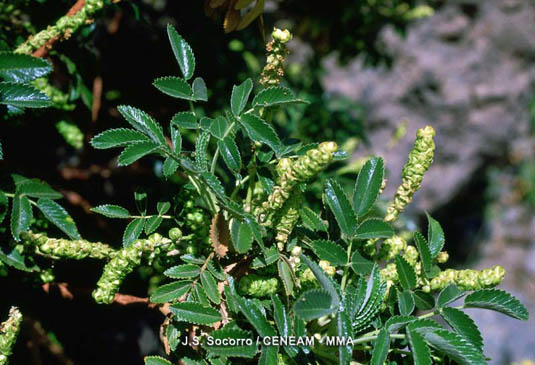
374	72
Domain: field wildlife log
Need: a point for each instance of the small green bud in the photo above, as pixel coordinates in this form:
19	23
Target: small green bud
175	234
296	251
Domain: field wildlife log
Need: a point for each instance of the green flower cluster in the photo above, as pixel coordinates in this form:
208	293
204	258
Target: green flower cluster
304	168
258	286
306	277
276	53
420	158
125	261
9	331
391	247
195	220
66	249
63	28
288	217
59	98
71	133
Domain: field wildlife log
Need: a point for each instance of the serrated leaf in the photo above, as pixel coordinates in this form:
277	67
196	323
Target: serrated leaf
214	184
176	139
195	313
367	186
268	354
449	294
423	300
344	330
169	167
406	274
186	120
281	317
163	207
330	251
200	294
270	256
259	131
420	351
175	87
201	151
325	282
497	300
374	228
341	208
395	323
313	304
275	95
360	264
156	360
111	211
16	260
22	96
35	188
59	217
255	317
21	215
454	346
231	349
381	347
21	68
200	93
219	234
425	254
463	325
117	138
230	153
210	286
218	127
286	275
135	151
170	292
182	51
240	95
405	302
144	123
311	220
242	236
435	236
132	231
152	224
183	271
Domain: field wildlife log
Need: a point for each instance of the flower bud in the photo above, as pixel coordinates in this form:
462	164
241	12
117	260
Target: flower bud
175	234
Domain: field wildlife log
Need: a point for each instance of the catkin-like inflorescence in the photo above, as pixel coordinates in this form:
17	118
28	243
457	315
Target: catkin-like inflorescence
276	54
289	215
420	158
124	262
304	168
258	286
66	249
9	331
391	247
71	133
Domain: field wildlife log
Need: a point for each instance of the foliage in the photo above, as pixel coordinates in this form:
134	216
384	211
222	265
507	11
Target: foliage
247	257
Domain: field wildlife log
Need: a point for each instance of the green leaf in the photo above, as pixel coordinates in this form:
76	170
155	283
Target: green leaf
111	211
4	206
311	220
381	347
234	344
325	282
143	122
360	264
268	354
396	323
169	167
201	151
35	188
195	313
230	153
463	325
367	186
240	95
425	254
182	51
210	286
423	300
435	236
21	215
259	131
374	228
497	300
255	317
135	151
152	224
132	231
344	330
242	236
454	346
313	304
176	139
156	360
170	292
183	271
140	197
218	128
22	96
405	302
21	68
281	317
200	294
175	87
287	276
59	217
420	351
449	294
117	138
330	251
341	208
407	276
200	93
16	260
163	207
214	184
274	95
186	120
